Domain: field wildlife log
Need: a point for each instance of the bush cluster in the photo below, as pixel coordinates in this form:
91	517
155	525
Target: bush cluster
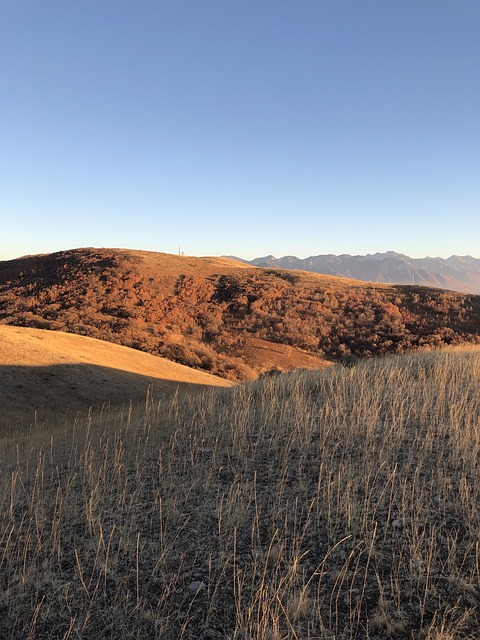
205	322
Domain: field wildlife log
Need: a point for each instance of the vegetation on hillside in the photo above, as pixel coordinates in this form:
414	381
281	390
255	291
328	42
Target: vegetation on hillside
204	320
340	504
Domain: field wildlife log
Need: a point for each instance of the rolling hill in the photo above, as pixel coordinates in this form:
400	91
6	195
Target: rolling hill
227	318
47	374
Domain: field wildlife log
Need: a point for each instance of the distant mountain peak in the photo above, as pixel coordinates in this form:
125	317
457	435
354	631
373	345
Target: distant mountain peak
458	273
270	257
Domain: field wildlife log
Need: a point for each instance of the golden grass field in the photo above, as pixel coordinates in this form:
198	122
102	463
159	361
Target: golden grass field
333	504
48	374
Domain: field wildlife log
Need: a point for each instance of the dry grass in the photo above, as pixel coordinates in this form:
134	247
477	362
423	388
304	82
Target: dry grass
45	375
338	504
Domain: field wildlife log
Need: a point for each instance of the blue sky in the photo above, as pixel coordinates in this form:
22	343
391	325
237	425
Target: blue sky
240	127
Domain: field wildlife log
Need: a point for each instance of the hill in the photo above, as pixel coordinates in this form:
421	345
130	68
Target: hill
457	273
47	374
333	504
229	319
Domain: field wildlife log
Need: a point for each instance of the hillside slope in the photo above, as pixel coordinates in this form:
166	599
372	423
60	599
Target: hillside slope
47	373
210	313
335	504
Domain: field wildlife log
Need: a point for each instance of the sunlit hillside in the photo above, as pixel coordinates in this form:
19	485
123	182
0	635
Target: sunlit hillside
227	318
45	375
332	504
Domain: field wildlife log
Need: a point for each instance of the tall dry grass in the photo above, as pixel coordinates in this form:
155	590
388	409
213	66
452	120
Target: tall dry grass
337	504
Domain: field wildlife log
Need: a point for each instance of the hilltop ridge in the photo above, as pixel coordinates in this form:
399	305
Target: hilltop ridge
228	318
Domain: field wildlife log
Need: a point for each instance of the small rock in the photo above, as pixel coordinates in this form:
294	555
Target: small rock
196	587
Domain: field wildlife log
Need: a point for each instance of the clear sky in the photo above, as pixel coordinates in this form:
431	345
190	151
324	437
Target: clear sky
240	127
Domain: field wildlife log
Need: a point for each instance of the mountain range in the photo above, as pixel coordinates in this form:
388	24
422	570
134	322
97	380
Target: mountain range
457	273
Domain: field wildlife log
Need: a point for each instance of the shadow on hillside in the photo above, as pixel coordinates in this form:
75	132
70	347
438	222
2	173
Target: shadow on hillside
30	394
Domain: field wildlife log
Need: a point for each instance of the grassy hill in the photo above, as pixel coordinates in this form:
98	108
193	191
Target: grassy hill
45	375
224	317
333	504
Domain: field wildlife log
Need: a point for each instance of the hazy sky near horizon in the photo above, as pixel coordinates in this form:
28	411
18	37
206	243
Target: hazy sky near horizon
240	127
